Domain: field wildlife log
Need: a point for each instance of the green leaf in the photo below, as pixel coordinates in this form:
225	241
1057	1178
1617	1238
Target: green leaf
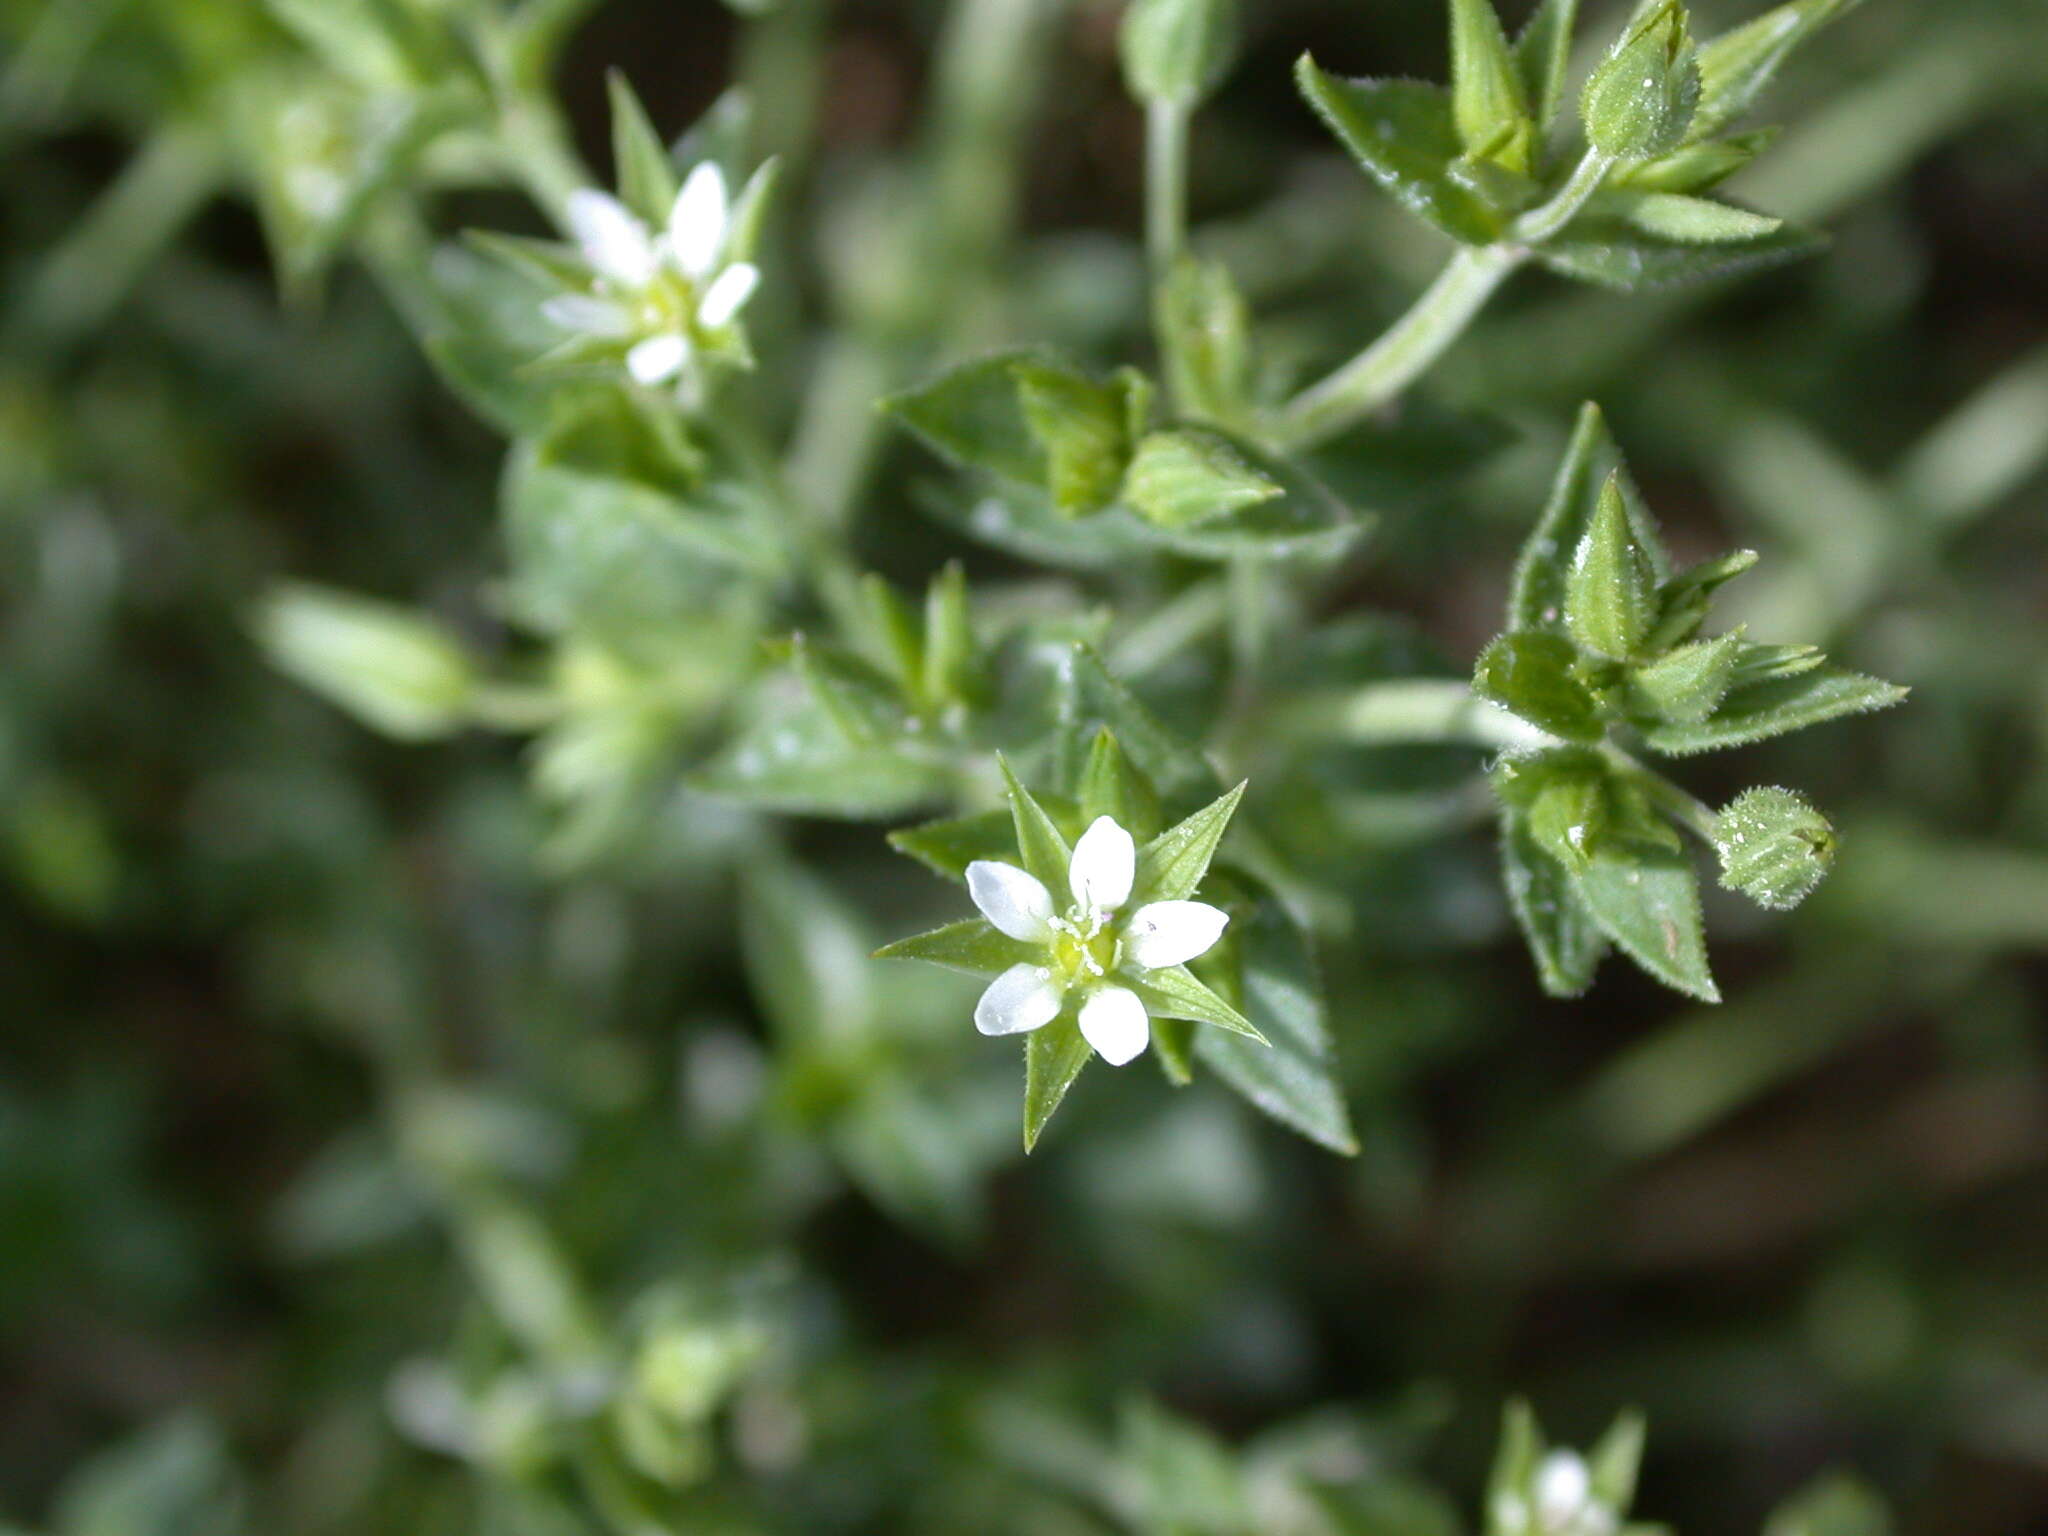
1403	135
1571	815
806	953
1193	476
1607	252
1520	1452
803	751
1775	847
1053	1058
953	671
1040	847
971	414
1543	54
1173	865
1736	67
893	639
1616	1462
1566	943
1758	711
1487	100
1688	685
1543	573
972	947
1112	786
1176	52
1176	993
1293	1078
385	665
1610	592
646	174
1695	220
1640	100
1696	167
1204	331
948	847
1083	428
1684	601
1647	900
1533	675
1836	1505
1091	697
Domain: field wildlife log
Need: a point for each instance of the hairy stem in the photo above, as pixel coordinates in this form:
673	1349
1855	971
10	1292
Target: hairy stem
1166	184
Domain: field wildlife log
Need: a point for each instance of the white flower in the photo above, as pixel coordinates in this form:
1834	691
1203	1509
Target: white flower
670	296
1091	947
1561	1503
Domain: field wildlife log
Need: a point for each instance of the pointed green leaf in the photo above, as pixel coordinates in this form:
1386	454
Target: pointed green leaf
1083	429
384	664
1403	135
952	659
973	947
646	174
1112	786
1571	816
1515	1462
1541	574
1172	866
1542	54
971	414
1695	220
1698	167
1093	697
1775	847
1487	101
1193	476
1053	1058
1616	1462
1684	601
1687	685
1043	851
1204	331
1294	1078
1532	675
1756	664
1756	712
1610	592
1647	899
1176	993
1563	938
893	640
1608	253
1736	66
948	847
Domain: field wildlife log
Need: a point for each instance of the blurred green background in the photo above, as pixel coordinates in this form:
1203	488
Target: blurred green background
320	1051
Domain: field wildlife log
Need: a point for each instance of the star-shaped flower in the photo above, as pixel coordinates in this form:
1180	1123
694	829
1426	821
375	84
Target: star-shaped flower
1562	1501
1538	1490
1086	950
670	298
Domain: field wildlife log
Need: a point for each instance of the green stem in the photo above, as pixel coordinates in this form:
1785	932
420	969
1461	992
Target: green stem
1424	711
1166	184
1688	810
1378	375
1547	222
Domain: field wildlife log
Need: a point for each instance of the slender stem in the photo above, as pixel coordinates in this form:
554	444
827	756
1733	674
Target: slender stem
1687	809
1166	184
1541	224
1379	374
1427	711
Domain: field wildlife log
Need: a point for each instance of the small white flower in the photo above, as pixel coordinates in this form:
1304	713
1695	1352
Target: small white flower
673	296
1565	1504
1089	946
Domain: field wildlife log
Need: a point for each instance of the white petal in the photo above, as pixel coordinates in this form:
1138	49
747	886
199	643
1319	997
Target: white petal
1114	1022
658	358
582	312
696	225
1564	1487
1105	863
1020	1000
616	244
727	296
1162	933
1011	899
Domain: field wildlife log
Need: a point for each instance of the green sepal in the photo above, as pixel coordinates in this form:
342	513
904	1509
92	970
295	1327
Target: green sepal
1543	572
1640	100
1687	685
549	263
1610	593
971	415
1053	1058
1775	848
646	173
1696	168
1534	676
1683	601
1176	993
1689	220
1084	430
1113	786
1172	866
1543	55
948	847
893	637
1565	942
1757	664
1572	815
973	947
1616	1462
1610	254
1192	475
1647	900
1040	846
1520	1452
1487	100
1175	52
1204	328
1402	134
1755	712
1736	67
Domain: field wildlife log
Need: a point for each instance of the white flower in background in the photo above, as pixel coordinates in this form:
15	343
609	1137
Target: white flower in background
1561	1502
672	296
1091	946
